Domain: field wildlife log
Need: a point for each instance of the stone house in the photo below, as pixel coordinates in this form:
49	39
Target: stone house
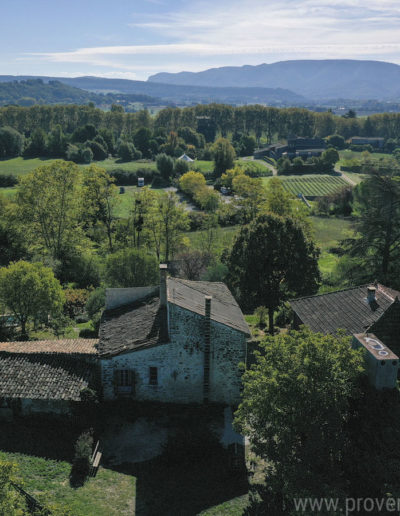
181	342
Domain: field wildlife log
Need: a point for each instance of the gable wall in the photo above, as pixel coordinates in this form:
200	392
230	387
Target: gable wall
180	363
387	328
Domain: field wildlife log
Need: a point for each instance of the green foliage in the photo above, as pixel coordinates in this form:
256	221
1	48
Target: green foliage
82	453
377	238
11	502
272	260
11	142
165	165
127	151
181	167
31	292
337	141
95	302
49	206
224	156
131	268
296	405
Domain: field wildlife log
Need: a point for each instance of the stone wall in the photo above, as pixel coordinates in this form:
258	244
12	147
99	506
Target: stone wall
180	363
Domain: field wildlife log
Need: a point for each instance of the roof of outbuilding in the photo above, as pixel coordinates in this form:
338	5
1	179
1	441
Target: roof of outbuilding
346	309
142	324
64	346
43	376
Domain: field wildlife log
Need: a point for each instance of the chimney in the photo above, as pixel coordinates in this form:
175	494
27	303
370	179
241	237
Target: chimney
371	291
163	284
207	348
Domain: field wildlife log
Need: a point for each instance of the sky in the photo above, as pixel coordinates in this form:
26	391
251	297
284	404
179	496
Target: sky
135	39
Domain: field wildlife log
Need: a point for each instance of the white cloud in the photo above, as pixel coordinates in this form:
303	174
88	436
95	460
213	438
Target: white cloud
215	33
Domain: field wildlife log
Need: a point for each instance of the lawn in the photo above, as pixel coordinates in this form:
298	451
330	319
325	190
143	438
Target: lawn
313	185
129	166
224	238
328	232
110	493
125	204
21	166
8	192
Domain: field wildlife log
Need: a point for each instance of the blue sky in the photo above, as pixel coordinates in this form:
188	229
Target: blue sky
134	39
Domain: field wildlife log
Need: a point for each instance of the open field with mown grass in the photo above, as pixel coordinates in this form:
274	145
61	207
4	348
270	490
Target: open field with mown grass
313	185
21	166
125	201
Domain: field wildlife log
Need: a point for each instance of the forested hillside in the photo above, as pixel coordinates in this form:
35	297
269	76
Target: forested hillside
35	91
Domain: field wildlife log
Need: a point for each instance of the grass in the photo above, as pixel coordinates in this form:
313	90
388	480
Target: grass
328	232
130	166
108	494
125	204
224	238
313	185
21	166
8	192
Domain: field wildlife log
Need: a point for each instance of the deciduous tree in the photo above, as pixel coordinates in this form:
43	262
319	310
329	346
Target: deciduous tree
271	260
30	291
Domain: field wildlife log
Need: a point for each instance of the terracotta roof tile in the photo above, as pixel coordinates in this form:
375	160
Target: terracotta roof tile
63	346
44	376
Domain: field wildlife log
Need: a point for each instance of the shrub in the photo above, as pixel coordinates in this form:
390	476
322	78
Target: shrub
8	180
88	333
96	302
165	165
75	301
82	455
181	167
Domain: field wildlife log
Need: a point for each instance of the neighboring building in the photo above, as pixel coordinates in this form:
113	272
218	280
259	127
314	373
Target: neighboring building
303	147
185	157
367	312
376	141
45	376
181	342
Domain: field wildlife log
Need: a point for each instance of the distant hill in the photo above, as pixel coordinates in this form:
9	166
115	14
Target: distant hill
169	93
36	91
324	79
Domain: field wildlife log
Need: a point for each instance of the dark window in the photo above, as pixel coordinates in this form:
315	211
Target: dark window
153	376
124	378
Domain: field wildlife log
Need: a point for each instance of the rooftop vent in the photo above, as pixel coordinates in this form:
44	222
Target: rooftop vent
371	294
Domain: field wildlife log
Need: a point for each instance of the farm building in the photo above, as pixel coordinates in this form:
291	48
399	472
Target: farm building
45	376
375	141
371	313
304	147
181	342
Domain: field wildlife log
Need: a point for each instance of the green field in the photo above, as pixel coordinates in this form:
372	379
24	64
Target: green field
124	205
129	166
313	186
21	166
328	232
109	494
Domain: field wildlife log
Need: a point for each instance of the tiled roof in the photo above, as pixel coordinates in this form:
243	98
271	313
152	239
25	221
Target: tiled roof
137	325
65	346
345	309
190	295
142	324
43	376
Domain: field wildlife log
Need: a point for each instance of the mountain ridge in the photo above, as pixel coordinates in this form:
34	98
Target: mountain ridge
314	79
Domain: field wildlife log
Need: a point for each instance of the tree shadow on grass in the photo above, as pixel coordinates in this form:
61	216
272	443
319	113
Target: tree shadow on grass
193	473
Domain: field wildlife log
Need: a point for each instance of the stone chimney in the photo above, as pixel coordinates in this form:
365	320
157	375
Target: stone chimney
207	348
371	291
163	284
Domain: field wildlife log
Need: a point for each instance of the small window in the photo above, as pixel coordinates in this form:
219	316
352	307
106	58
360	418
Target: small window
124	378
153	376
